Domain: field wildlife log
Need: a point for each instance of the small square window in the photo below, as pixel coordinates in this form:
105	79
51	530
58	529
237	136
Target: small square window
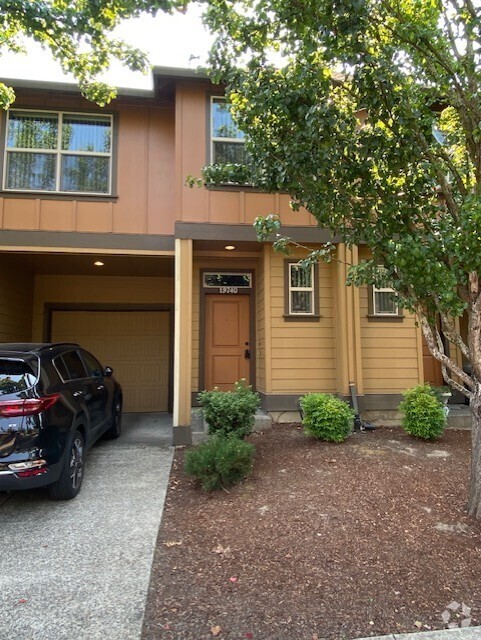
382	302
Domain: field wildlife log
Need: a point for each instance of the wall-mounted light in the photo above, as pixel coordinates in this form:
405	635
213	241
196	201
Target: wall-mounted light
229	247
98	263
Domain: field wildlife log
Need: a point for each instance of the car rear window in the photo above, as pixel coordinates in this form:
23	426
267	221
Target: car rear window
17	375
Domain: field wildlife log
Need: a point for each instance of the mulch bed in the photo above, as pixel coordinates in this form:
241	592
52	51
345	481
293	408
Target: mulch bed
332	541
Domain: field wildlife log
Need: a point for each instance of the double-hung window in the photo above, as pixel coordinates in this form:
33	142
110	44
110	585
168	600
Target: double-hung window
227	140
301	299
58	152
383	301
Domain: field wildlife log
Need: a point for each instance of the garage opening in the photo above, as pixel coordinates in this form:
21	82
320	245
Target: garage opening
136	343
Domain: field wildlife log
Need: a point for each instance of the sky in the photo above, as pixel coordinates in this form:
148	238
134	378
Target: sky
171	41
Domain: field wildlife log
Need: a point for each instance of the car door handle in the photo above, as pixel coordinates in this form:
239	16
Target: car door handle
101	386
77	394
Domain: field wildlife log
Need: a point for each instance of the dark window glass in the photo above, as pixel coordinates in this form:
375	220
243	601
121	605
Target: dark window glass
59	364
227	280
75	366
94	368
15	376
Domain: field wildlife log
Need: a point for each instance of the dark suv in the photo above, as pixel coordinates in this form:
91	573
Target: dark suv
56	400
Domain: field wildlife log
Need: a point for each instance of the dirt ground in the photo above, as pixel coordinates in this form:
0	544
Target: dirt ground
332	541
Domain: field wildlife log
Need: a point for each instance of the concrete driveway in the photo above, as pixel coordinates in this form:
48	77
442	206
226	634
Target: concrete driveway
80	569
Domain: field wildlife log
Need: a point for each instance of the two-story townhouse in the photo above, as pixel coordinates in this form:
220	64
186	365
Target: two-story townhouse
103	242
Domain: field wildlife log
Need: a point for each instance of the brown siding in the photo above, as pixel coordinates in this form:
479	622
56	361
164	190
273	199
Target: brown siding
143	170
16	300
303	353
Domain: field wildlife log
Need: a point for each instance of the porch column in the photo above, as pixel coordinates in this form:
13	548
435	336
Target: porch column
348	324
183	343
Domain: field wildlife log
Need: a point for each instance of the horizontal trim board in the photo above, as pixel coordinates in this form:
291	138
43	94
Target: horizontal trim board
81	240
246	232
369	402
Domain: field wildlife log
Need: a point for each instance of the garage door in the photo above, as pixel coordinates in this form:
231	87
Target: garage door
134	343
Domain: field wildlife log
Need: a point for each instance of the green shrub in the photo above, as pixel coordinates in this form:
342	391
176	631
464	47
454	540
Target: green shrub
326	417
230	411
423	413
220	461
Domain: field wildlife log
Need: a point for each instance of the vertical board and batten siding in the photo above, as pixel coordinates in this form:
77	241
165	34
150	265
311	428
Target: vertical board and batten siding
143	177
233	205
16	301
303	353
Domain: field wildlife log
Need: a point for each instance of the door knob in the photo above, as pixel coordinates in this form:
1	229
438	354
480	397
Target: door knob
247	354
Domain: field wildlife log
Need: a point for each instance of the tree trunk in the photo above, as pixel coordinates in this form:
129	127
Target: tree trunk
474	504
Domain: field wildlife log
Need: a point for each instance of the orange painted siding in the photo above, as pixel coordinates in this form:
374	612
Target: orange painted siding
16	301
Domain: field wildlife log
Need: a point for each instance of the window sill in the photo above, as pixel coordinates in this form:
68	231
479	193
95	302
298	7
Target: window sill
301	318
378	318
46	195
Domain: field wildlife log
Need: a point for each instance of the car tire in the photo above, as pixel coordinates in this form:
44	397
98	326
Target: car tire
70	481
115	428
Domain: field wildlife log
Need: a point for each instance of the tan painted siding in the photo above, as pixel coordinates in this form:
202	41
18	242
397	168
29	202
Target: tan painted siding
16	301
97	289
303	353
389	352
143	170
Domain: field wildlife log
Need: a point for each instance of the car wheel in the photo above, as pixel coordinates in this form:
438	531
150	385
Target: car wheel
115	428
70	480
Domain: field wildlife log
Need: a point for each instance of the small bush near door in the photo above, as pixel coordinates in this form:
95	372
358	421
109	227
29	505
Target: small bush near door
220	461
423	412
326	417
230	412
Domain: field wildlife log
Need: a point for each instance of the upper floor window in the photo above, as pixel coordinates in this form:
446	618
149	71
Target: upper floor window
300	290
58	152
227	140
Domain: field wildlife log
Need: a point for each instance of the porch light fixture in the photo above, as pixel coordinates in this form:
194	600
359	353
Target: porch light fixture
98	263
229	247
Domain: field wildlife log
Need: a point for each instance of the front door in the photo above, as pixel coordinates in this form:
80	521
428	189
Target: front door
227	340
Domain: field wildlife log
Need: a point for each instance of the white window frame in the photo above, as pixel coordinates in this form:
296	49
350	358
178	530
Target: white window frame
292	289
374	305
214	139
59	152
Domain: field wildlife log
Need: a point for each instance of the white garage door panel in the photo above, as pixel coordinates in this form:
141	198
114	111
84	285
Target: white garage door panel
134	343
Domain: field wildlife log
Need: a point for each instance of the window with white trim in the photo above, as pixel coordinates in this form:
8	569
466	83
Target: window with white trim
59	152
301	290
227	140
384	301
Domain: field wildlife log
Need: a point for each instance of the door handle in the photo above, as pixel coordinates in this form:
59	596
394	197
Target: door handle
101	386
77	394
247	354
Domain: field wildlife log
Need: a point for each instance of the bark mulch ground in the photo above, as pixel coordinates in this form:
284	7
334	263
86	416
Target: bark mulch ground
332	541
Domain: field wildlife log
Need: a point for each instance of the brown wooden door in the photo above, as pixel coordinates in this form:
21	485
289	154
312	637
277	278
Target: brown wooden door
227	340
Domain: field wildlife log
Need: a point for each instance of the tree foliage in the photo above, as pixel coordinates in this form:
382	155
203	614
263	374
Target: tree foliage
368	112
408	181
78	33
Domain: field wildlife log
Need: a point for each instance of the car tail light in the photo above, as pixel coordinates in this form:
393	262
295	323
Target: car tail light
27	407
29	468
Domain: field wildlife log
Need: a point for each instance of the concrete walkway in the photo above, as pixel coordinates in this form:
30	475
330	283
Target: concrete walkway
80	569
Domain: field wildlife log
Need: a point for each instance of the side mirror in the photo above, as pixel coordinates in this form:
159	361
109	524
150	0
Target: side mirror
108	371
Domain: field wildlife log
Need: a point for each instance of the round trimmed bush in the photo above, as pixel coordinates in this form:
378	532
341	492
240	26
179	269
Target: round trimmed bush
220	461
326	417
423	413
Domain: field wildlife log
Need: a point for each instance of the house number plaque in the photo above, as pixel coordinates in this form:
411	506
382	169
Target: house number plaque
228	289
